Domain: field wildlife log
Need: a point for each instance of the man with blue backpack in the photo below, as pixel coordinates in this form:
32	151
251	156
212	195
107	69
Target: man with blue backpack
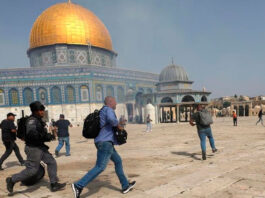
104	143
203	119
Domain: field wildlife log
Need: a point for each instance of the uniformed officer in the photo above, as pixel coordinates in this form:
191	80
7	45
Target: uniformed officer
36	150
9	137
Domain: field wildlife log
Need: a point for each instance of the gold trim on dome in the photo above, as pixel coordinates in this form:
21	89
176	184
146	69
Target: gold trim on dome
68	23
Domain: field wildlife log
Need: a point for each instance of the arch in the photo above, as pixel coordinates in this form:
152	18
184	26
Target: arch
188	98
149	91
110	91
42	95
2	97
28	96
99	93
204	99
56	95
84	93
141	90
121	95
70	94
166	100
13	96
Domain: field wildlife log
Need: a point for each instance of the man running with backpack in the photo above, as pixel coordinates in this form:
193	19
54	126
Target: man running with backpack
104	143
203	120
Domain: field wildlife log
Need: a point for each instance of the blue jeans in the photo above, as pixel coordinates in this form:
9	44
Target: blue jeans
203	133
106	152
63	140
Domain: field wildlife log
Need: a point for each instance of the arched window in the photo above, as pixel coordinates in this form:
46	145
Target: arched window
149	91
166	100
56	95
42	95
2	97
204	99
84	93
188	98
70	94
28	96
13	97
121	95
99	95
110	91
141	90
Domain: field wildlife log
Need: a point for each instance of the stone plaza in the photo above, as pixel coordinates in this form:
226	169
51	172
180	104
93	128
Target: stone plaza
166	163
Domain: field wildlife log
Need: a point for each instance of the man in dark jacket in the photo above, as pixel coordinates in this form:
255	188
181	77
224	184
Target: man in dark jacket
63	135
8	137
36	150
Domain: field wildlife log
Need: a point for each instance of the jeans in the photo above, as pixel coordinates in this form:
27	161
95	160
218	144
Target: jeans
260	120
106	152
203	133
148	127
63	140
235	121
10	146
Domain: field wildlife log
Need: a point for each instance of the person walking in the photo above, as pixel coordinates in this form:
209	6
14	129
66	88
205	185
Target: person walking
62	126
260	117
234	118
35	136
52	128
104	143
203	131
148	123
9	137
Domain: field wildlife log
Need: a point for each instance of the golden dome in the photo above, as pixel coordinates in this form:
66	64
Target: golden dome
68	23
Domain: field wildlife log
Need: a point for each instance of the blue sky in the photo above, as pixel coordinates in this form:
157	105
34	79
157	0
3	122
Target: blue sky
220	43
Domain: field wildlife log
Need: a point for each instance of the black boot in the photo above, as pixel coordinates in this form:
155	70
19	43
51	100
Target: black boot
9	184
203	155
57	186
215	150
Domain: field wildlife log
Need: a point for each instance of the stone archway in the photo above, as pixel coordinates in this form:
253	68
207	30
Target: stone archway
188	98
167	100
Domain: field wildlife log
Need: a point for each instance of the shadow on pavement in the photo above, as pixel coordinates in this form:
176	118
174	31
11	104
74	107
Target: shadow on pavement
11	164
96	185
184	153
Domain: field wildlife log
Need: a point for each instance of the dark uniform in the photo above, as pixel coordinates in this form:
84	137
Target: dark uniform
8	138
37	151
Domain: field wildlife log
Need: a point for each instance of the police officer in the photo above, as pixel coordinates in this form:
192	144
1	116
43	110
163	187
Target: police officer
36	150
9	137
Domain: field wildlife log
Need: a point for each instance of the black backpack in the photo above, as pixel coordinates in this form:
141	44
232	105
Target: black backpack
21	127
91	126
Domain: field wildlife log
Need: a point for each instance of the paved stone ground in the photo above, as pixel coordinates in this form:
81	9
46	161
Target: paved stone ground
165	163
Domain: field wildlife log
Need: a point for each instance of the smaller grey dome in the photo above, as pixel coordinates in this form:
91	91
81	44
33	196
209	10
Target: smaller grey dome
173	73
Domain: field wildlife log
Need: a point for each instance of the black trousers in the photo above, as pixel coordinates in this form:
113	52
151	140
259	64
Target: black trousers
11	146
34	156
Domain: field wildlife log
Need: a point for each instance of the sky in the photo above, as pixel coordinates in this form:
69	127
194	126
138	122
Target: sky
220	43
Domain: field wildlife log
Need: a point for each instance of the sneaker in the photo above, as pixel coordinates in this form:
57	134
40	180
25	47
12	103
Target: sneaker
203	155
57	186
130	187
67	155
77	191
56	153
9	184
215	150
